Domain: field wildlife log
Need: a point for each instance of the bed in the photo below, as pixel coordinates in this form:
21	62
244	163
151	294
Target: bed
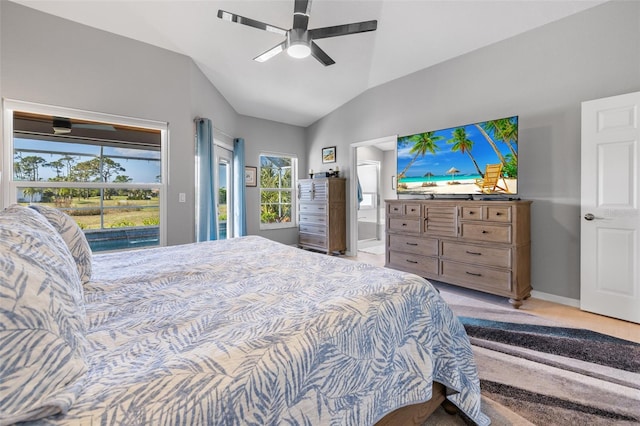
244	331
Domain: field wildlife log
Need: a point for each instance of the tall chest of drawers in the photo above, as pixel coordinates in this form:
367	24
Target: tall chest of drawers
482	245
322	218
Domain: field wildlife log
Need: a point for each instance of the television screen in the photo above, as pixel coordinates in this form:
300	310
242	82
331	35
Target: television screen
473	159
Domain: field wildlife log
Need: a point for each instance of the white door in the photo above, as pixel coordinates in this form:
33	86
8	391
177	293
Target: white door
610	231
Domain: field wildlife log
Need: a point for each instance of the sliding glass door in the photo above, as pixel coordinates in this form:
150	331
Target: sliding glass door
224	191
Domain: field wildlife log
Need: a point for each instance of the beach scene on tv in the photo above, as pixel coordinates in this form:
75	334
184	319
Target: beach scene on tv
478	158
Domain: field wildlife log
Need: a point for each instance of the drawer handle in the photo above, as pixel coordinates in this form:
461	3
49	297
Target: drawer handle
474	253
498	213
485	232
411	261
413	210
474	274
412	244
472	212
404	224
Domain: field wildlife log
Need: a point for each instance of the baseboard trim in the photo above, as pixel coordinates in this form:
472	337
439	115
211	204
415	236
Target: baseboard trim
556	299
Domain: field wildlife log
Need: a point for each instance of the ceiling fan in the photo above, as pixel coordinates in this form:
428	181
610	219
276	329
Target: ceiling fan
63	126
299	42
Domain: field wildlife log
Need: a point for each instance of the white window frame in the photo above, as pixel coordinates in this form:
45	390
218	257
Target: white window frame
294	191
9	187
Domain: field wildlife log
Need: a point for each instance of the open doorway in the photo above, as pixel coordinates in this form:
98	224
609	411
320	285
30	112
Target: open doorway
374	164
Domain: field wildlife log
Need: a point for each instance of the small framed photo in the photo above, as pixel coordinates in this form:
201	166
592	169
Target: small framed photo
329	154
250	176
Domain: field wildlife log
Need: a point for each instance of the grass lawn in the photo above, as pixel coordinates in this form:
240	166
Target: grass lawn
118	212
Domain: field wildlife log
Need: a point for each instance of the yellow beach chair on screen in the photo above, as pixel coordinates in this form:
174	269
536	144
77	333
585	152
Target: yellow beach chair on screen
491	180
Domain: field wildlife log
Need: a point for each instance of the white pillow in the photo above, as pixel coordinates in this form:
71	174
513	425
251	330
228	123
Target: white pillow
72	236
42	320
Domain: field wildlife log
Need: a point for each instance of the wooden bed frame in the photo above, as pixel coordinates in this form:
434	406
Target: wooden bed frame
416	414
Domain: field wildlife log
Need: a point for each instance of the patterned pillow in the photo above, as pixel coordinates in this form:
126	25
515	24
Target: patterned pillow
72	235
42	320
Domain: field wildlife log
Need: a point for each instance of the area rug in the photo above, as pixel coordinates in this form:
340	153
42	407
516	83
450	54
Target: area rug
536	371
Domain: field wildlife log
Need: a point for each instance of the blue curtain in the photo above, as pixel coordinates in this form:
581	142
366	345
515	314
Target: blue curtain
206	212
239	205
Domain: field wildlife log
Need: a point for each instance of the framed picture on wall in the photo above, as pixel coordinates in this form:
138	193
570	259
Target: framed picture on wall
250	176
329	154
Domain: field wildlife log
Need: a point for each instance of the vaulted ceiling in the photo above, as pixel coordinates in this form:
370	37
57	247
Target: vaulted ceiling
411	35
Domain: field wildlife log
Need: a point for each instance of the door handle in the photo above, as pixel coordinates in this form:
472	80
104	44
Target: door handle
591	216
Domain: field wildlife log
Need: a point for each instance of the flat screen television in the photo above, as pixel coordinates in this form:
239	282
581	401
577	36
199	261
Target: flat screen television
472	159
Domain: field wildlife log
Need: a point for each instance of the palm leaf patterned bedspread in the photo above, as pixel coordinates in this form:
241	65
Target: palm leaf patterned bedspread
252	332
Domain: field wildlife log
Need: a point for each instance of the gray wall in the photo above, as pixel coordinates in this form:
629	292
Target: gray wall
270	136
49	60
542	76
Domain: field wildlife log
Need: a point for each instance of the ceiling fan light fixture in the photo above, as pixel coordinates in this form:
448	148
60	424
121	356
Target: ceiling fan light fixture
61	126
298	43
61	130
299	50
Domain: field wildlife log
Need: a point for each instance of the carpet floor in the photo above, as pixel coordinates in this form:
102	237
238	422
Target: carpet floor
536	371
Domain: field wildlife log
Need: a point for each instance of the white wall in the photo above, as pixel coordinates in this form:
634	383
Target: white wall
542	76
49	60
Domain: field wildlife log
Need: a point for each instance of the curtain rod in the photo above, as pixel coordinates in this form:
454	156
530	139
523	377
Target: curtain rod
217	130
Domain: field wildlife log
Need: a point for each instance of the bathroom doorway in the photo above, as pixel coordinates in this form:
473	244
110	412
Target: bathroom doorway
374	164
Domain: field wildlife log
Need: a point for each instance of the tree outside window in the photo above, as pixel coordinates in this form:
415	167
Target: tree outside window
277	176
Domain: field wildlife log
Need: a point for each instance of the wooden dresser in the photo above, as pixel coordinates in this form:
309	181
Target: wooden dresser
322	219
482	245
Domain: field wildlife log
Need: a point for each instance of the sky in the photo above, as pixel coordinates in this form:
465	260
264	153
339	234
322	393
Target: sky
444	159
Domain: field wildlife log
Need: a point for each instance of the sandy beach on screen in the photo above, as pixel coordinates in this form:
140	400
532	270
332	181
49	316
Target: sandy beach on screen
458	186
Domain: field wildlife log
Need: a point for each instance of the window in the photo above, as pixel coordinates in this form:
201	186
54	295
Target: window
277	199
106	172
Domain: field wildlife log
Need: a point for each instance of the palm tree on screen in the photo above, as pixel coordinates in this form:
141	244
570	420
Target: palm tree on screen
491	142
462	143
506	130
422	143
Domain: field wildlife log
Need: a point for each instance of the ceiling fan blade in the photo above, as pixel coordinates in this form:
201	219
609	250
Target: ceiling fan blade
320	55
96	126
232	17
271	52
301	11
340	30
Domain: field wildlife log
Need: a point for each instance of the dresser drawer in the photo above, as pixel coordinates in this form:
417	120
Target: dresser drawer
498	213
313	218
476	277
404	225
405	209
313	208
486	232
415	245
395	208
491	256
310	228
312	240
412	209
471	212
420	265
